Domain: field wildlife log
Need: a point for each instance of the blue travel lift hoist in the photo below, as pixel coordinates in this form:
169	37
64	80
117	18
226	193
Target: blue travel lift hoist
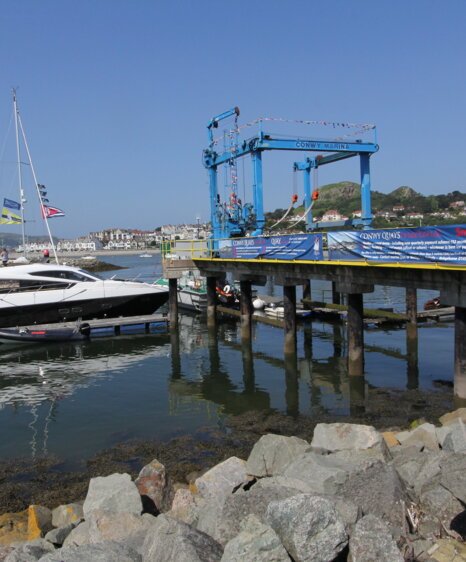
237	218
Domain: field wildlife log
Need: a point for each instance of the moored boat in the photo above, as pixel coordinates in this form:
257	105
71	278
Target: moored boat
47	293
26	334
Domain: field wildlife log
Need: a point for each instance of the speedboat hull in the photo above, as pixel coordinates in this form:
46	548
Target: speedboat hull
84	309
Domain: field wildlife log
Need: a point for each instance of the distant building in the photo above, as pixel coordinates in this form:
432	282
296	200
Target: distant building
456	205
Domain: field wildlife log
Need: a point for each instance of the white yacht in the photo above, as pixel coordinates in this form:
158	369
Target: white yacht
43	293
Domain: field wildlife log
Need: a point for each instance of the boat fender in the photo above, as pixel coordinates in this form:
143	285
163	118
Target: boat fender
85	329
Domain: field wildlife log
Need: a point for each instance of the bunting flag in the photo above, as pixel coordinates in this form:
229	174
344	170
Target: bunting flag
9	212
51	212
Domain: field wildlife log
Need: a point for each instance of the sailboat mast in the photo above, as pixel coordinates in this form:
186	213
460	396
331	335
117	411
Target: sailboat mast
22	199
44	213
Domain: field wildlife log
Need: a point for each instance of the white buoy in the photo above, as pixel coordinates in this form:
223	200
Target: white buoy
258	304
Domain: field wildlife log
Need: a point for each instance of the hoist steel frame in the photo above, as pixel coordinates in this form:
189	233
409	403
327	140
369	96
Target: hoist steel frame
339	150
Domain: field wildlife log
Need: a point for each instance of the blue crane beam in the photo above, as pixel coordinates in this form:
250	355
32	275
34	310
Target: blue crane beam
211	158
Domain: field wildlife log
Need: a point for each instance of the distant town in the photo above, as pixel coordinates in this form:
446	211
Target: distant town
403	207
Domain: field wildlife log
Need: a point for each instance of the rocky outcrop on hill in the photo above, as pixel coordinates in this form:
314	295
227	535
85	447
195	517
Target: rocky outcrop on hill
348	494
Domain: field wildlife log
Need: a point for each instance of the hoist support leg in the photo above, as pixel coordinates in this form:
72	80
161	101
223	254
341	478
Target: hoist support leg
214	219
258	192
366	208
307	197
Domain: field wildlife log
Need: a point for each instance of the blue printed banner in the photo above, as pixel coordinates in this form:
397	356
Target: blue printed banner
288	247
444	244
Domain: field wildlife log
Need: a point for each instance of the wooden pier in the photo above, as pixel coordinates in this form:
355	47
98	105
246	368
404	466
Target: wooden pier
105	327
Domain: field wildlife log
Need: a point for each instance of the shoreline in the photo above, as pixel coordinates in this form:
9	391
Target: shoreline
49	481
96	254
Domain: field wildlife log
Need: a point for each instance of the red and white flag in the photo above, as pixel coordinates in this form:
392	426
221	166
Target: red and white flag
50	212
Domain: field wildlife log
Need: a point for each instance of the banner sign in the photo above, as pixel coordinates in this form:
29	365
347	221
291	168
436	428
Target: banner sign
443	244
288	247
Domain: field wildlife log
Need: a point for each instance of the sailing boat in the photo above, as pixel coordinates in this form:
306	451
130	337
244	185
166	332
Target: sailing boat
11	208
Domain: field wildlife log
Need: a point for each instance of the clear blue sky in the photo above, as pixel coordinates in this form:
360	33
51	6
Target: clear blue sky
115	95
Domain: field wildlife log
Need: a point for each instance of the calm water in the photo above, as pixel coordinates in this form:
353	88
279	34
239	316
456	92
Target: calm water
73	400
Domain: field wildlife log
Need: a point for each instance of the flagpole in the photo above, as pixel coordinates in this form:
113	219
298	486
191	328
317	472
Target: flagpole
44	213
20	175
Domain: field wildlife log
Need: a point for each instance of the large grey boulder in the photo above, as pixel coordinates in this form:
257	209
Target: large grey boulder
438	508
221	479
451	417
323	474
419	468
115	493
453	476
57	536
102	526
152	482
255	543
174	541
79	535
65	514
348	511
371	541
102	552
309	527
222	522
340	436
424	433
29	552
185	506
455	440
378	490
272	453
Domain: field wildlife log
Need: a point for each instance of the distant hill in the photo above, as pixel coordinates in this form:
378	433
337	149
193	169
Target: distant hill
345	197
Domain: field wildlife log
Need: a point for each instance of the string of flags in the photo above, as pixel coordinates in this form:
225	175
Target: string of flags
11	211
361	128
48	211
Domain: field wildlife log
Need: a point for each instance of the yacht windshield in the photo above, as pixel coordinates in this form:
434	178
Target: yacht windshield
77	275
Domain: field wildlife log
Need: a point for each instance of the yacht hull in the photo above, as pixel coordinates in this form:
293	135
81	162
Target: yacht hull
85	309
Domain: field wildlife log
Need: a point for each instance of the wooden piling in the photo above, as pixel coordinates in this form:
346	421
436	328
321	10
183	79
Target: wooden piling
173	303
211	283
460	353
307	290
355	334
336	299
246	310
289	302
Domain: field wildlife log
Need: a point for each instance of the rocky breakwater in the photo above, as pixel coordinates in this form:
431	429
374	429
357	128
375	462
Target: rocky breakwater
349	493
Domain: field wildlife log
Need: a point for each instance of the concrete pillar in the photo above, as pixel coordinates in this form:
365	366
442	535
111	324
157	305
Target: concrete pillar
173	303
289	301
246	309
335	294
211	301
460	353
307	290
355	335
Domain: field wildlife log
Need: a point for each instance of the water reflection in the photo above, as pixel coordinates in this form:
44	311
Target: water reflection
155	386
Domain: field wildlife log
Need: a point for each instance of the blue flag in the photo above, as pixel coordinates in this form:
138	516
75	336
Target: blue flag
10	204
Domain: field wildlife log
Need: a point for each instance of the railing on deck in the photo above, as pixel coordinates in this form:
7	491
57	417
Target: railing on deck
437	246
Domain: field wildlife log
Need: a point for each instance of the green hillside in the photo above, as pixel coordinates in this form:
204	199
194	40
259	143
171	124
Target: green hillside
345	197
